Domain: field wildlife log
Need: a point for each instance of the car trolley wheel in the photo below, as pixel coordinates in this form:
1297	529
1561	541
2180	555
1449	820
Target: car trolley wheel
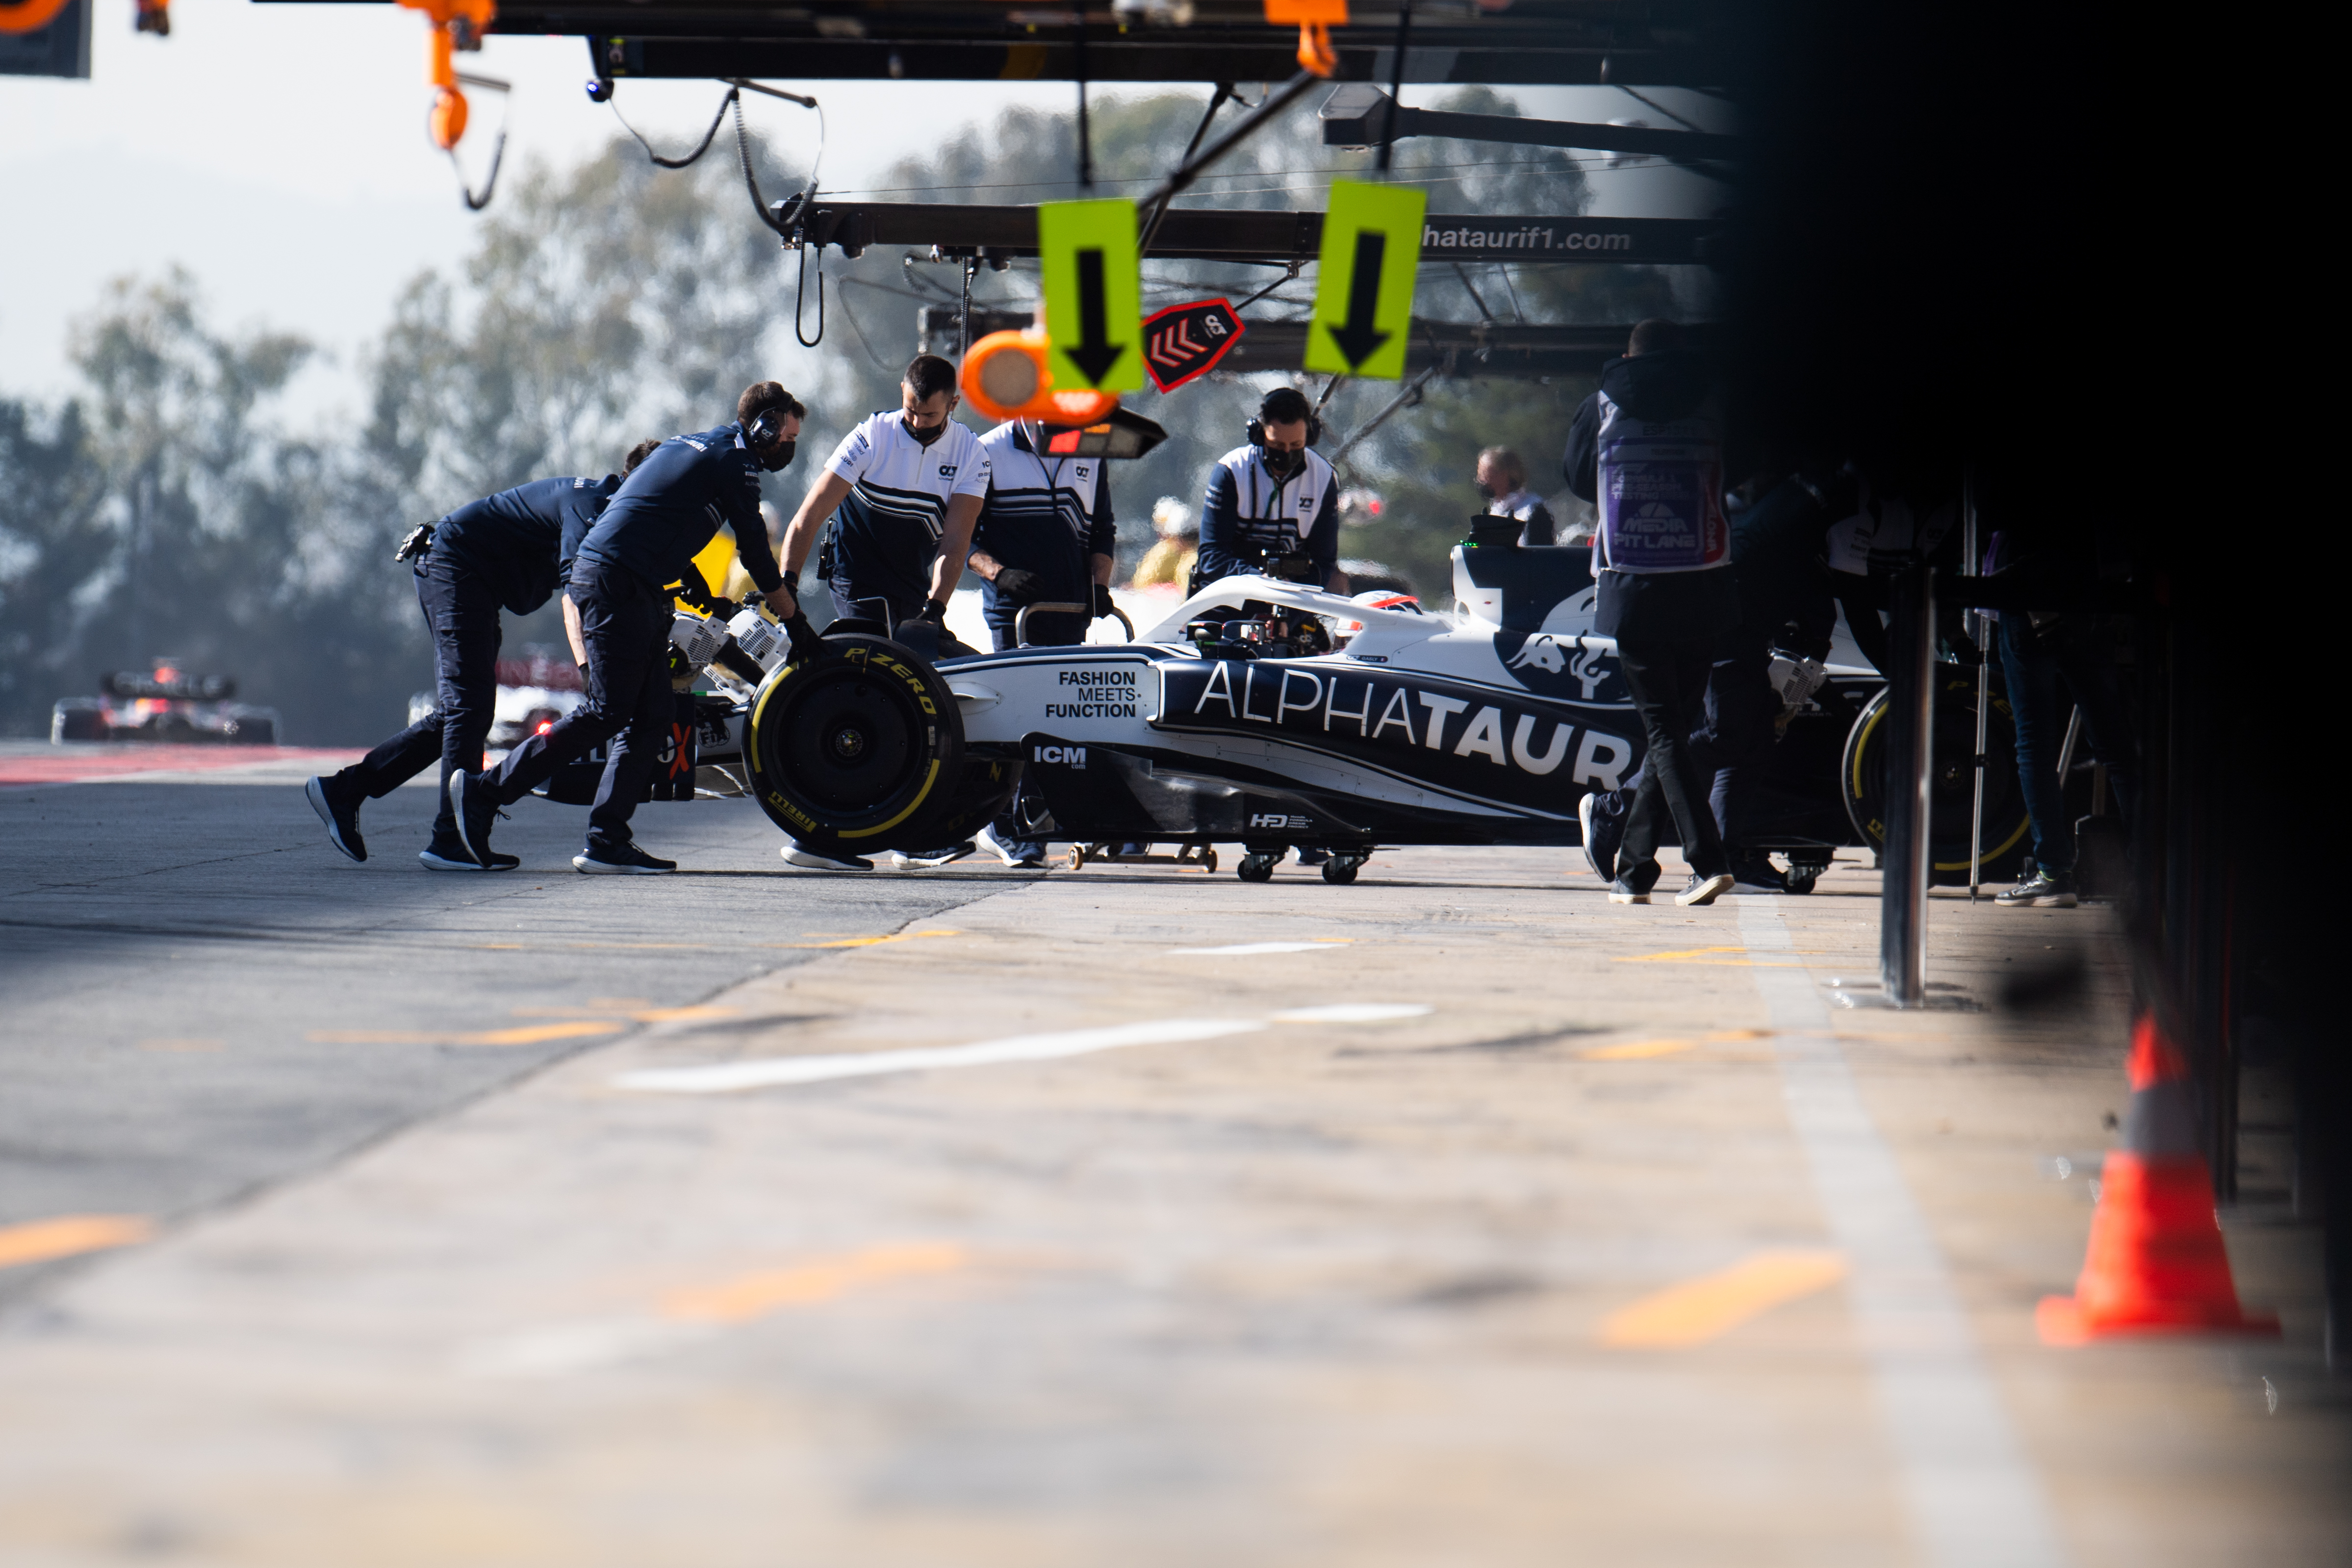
1341	870
2008	830
858	750
1257	867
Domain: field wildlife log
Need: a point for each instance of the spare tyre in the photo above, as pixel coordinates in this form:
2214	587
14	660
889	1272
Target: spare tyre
858	750
2008	830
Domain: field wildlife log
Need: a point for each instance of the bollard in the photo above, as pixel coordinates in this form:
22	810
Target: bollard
1910	707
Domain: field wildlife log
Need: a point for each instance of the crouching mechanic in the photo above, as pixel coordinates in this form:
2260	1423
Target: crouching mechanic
907	484
1046	536
1272	503
651	531
511	549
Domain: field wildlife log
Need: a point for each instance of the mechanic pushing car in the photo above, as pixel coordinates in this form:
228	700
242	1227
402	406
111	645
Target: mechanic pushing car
1648	450
1046	535
512	549
651	531
909	483
1785	607
1273	503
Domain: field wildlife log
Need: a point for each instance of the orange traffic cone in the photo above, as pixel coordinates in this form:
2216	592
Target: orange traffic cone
2155	1264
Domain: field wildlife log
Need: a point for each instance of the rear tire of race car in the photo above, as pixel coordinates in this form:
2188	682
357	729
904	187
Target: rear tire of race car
74	720
856	752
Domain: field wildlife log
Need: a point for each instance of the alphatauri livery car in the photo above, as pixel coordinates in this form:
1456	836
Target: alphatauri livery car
1236	720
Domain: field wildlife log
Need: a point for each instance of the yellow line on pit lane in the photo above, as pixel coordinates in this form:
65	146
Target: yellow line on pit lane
68	1236
1642	1050
531	1035
1701	1310
751	1296
1705	956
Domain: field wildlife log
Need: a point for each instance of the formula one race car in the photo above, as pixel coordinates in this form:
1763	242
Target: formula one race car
1237	719
166	704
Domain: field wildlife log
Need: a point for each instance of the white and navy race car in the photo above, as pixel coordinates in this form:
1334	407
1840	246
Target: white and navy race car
1237	719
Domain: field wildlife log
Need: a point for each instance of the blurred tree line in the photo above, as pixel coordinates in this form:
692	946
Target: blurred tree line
181	504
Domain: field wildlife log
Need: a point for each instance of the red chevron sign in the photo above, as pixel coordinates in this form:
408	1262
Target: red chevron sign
1185	340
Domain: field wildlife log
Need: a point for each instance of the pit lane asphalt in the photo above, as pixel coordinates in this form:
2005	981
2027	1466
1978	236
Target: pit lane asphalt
187	972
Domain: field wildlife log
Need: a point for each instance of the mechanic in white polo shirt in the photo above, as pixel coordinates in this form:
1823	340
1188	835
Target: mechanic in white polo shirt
907	484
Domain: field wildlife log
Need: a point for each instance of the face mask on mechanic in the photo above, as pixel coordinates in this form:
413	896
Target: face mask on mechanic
779	458
1485	490
1282	464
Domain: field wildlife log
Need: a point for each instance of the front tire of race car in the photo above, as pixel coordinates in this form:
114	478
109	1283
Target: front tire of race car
858	750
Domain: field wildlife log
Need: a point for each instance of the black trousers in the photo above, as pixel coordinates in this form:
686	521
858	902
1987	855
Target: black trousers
1730	746
461	611
625	624
1668	685
864	600
1044	631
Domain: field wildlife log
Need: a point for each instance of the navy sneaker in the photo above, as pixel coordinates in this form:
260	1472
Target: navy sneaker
1313	856
476	807
1634	881
1602	820
339	808
444	856
1701	889
2043	890
619	860
926	859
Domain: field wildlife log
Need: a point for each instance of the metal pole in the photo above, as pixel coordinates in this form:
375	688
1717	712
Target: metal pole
1910	756
1975	568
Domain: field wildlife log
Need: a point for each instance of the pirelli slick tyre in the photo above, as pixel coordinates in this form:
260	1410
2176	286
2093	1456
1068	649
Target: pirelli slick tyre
859	751
2007	831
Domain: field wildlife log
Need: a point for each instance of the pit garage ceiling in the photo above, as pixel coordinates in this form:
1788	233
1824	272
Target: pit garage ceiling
1524	42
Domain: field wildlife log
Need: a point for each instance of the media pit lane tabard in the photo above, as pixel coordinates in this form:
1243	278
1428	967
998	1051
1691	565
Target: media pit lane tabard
1187	340
1363	282
1094	294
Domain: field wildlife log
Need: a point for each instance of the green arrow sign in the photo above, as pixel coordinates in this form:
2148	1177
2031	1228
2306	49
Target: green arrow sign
1363	284
1094	294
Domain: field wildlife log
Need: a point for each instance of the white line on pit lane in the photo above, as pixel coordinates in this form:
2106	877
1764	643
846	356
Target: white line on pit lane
1242	949
722	1077
1354	1013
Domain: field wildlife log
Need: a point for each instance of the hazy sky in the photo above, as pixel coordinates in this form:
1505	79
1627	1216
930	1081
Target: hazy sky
278	153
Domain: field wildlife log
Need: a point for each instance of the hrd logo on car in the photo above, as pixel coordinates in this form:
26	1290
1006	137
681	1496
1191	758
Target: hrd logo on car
1277	819
1068	756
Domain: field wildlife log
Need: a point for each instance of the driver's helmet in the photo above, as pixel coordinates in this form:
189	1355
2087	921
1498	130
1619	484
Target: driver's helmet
1377	599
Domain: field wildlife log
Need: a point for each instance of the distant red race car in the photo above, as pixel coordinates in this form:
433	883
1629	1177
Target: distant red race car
166	704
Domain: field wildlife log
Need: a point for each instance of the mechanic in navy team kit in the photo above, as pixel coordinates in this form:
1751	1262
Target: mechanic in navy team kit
651	531
1046	536
1647	448
907	484
1273	503
512	549
1502	478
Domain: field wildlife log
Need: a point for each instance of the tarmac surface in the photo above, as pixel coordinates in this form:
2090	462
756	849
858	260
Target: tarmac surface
354	1214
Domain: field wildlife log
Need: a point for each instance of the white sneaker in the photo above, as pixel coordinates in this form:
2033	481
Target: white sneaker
1011	854
925	859
794	854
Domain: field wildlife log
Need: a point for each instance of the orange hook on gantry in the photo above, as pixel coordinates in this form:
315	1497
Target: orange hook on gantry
457	25
1316	18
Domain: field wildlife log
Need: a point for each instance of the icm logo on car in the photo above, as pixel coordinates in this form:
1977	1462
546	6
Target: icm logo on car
1067	756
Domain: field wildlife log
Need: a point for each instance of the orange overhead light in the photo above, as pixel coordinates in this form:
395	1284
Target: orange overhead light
1315	19
1005	377
29	15
457	25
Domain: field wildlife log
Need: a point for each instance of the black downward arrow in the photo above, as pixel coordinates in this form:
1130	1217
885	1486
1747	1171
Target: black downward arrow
1358	340
1093	355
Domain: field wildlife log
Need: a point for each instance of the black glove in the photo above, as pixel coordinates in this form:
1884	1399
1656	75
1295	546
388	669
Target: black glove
1102	600
933	611
1014	586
